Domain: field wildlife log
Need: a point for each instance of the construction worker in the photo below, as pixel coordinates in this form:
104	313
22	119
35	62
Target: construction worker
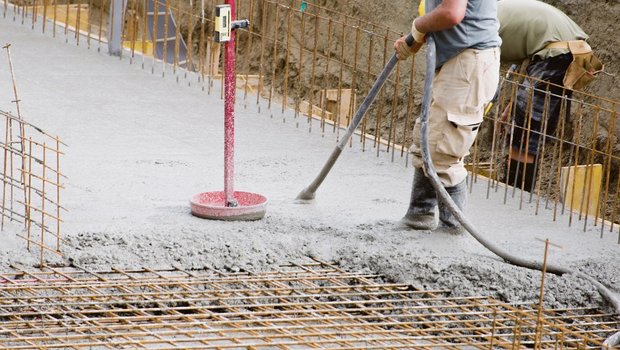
549	42
467	74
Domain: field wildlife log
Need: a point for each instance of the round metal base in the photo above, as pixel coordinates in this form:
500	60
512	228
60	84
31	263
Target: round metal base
212	205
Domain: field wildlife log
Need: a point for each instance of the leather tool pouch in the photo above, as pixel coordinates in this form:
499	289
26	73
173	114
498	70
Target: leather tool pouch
582	71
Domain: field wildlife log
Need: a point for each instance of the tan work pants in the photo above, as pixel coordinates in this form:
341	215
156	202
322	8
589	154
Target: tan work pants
461	89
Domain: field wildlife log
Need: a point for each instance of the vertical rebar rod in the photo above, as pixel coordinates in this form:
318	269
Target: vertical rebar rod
54	17
67	10
44	22
276	27
325	86
608	147
589	176
557	159
22	8
43	198
189	65
493	329
249	48
561	163
164	58
539	161
177	41
78	26
379	114
4	170
577	147
131	19
100	28
202	50
391	141
34	14
354	73
58	187
89	29
154	34
29	201
313	72
616	206
300	73
338	116
371	35
287	59
9	134
261	61
525	141
504	142
539	317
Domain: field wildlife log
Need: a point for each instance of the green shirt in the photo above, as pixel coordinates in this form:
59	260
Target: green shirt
527	26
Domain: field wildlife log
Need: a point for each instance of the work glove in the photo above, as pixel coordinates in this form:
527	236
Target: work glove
404	51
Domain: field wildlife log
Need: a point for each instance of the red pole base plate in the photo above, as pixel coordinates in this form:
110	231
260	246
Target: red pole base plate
212	205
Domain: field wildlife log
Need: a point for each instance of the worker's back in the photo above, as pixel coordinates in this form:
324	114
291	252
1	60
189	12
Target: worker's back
527	26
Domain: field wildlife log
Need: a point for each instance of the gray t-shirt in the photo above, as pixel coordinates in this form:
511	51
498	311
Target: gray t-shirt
478	30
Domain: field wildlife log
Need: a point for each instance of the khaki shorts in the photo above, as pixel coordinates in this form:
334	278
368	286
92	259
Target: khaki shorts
461	89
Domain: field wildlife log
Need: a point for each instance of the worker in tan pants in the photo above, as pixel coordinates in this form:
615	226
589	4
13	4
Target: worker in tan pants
467	75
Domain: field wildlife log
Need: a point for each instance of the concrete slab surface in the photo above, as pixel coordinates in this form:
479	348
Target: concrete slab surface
140	145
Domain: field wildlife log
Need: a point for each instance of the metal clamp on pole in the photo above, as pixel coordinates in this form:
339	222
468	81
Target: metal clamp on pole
242	23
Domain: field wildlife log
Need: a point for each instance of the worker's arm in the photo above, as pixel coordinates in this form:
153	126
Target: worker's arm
448	14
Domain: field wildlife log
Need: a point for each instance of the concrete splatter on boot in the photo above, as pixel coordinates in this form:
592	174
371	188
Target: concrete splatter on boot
421	212
448	222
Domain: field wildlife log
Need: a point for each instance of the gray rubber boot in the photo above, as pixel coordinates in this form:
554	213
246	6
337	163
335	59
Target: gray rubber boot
421	212
448	222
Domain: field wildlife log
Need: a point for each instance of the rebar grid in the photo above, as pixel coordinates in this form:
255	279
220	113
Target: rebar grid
31	185
319	62
31	179
315	305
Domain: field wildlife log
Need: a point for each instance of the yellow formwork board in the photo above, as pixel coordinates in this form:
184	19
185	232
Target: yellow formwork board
60	13
145	47
581	187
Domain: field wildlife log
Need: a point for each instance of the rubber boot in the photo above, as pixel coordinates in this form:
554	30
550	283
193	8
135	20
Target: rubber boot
449	222
514	175
421	212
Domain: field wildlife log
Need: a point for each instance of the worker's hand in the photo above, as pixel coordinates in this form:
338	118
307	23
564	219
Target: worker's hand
404	51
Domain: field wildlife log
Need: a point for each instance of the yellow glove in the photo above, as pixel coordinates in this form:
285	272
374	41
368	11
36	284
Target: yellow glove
403	51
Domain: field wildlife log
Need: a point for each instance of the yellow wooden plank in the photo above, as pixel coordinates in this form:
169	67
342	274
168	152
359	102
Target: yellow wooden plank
581	187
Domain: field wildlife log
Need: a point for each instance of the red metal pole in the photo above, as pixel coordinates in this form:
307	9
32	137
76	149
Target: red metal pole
229	113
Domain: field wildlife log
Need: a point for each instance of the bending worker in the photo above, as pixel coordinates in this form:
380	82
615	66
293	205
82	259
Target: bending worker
467	42
547	40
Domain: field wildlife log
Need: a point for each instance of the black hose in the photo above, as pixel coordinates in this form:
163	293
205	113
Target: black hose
443	195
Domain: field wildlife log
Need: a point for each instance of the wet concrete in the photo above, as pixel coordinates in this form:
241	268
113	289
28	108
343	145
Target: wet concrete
140	145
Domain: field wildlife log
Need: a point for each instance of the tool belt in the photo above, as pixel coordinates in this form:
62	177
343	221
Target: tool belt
584	67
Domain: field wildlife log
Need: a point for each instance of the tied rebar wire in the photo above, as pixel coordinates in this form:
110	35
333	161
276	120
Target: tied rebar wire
310	305
288	58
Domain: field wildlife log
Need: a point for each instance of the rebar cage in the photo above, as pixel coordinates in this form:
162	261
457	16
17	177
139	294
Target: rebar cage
311	306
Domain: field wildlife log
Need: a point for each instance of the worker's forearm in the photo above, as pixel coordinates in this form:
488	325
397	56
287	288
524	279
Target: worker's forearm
448	14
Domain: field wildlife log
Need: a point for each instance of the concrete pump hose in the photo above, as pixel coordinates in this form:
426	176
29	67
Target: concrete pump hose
443	195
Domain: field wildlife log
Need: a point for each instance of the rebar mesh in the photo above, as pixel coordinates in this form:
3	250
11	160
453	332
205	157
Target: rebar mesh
315	305
31	178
